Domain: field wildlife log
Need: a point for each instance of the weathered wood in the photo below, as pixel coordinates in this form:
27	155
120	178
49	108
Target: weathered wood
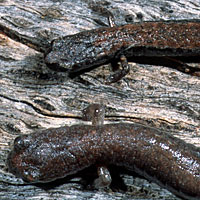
33	97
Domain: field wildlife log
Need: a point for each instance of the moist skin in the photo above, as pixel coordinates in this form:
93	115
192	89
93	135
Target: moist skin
57	152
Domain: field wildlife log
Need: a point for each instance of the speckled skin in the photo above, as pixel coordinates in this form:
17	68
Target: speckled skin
103	45
55	153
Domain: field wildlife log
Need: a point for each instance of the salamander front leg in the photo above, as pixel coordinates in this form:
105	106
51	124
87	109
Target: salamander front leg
120	73
96	113
104	179
111	20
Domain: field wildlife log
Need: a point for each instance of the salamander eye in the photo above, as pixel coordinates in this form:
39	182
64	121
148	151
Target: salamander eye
21	142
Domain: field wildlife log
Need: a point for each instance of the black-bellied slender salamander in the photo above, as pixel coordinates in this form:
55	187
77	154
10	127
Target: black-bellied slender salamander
57	152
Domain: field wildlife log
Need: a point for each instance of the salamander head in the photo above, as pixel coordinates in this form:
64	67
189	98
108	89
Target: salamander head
75	53
59	57
19	161
42	157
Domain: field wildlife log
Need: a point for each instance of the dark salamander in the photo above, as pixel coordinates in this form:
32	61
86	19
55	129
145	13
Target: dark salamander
92	48
159	157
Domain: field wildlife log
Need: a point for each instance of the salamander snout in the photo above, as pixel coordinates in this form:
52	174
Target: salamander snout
53	62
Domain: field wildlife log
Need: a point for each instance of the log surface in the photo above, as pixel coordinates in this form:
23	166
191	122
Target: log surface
32	97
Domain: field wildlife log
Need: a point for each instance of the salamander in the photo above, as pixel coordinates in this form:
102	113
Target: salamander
93	48
57	152
88	49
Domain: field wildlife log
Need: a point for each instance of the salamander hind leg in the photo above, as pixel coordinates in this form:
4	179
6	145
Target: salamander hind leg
183	67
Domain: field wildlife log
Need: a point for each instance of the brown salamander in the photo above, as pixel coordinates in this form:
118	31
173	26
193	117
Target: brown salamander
92	48
57	152
89	49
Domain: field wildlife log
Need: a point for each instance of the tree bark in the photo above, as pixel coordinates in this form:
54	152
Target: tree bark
33	97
